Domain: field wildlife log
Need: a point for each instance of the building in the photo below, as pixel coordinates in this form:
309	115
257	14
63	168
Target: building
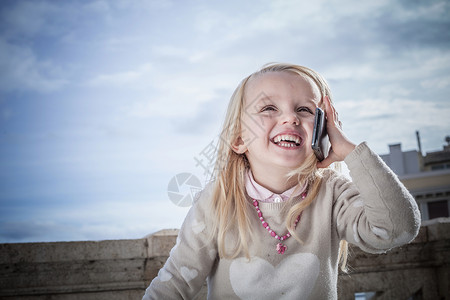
427	177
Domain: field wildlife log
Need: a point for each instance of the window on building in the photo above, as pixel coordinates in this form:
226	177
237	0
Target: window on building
440	167
365	296
437	167
438	209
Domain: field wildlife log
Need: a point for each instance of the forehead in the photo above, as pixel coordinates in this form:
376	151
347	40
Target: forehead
282	84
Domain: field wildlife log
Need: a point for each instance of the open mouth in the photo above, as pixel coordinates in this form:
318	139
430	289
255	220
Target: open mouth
287	140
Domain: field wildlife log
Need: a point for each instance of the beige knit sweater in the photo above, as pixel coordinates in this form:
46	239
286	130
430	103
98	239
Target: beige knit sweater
373	211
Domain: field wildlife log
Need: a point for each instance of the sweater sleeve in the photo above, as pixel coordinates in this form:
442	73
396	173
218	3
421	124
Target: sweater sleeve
374	211
190	260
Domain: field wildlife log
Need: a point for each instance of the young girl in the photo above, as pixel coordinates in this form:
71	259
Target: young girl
271	223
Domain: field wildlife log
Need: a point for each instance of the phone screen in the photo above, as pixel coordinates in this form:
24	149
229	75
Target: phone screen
320	142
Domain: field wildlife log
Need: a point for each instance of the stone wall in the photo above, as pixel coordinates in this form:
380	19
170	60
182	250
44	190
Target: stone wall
122	269
118	269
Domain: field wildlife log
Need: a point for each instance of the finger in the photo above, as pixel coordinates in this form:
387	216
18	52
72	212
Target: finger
325	163
328	160
327	106
330	111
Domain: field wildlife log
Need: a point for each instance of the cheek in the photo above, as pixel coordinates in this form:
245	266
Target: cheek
251	129
257	126
308	125
261	122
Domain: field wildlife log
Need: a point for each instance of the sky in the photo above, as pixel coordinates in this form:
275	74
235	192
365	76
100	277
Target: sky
106	107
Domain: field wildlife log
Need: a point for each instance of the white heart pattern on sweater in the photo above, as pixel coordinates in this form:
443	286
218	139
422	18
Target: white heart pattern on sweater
163	275
293	278
197	226
188	274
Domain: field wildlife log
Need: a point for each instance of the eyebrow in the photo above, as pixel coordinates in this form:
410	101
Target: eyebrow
268	98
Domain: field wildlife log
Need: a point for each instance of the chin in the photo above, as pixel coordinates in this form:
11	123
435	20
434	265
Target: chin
298	163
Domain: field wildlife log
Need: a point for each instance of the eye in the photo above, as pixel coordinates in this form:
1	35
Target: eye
268	108
304	109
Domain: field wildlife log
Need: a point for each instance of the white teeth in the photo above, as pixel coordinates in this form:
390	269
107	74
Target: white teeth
287	137
286	145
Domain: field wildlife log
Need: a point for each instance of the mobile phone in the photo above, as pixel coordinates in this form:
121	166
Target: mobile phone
320	143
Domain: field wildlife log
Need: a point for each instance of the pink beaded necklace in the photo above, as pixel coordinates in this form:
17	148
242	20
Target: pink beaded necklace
281	248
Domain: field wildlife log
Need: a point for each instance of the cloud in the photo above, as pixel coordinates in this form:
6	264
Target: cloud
381	108
437	83
28	18
116	221
123	79
393	120
207	119
179	94
21	70
411	66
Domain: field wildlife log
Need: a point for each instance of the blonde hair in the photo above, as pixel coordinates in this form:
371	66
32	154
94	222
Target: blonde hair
229	200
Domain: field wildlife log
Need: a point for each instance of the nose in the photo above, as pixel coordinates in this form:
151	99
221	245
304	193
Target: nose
290	118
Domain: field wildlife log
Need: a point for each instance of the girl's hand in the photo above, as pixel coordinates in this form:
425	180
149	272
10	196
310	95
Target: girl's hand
341	146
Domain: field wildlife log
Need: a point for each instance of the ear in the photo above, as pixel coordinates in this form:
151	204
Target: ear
239	146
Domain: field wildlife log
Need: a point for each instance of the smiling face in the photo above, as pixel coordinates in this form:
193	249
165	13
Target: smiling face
277	123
